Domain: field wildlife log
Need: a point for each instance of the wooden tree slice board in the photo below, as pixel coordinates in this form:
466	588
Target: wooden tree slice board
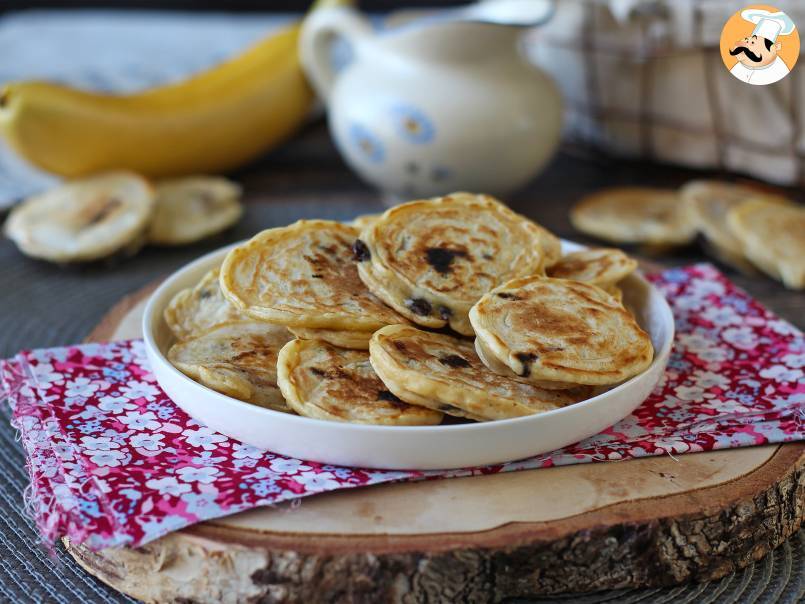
647	522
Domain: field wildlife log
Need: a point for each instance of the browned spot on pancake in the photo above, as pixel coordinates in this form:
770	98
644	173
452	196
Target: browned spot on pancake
317	276
440	258
101	210
453	360
508	296
318	372
526	358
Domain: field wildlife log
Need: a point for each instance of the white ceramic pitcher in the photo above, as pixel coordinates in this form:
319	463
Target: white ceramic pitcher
433	106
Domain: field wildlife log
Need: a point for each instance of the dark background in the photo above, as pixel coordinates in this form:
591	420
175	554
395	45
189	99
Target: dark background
236	6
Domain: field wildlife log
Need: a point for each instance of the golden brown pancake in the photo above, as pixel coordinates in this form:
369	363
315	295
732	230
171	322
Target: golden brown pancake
445	373
325	382
773	238
236	359
431	260
602	266
656	217
194	311
303	275
561	330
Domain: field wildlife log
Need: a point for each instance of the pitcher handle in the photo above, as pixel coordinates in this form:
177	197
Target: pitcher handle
318	32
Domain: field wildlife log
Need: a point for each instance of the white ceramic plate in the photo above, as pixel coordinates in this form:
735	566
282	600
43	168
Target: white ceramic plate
405	447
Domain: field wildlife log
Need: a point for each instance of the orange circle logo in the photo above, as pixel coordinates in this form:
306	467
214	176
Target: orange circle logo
760	44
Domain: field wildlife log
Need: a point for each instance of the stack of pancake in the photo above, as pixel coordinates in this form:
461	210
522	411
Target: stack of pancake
449	307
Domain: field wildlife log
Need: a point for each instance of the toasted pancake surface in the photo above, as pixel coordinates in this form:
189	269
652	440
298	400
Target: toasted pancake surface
83	220
635	215
604	266
773	238
432	259
236	359
561	330
303	275
192	208
326	382
199	309
445	372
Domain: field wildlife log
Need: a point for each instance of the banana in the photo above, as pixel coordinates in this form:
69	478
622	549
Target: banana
209	123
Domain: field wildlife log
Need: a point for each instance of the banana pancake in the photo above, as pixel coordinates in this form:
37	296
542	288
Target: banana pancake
445	373
303	275
644	215
190	209
603	266
357	340
431	260
561	330
236	359
773	238
196	310
709	202
488	359
326	382
85	219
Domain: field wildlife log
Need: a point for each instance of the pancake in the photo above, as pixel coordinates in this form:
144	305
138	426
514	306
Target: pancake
604	266
236	359
773	238
561	330
303	275
656	217
364	220
83	220
431	260
326	382
443	372
190	209
488	359
357	340
199	309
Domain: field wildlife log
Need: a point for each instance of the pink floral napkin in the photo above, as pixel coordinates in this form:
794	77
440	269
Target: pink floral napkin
114	462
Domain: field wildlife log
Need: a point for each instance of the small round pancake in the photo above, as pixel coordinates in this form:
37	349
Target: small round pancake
603	266
197	310
773	238
488	359
326	382
83	220
635	215
303	275
190	209
236	359
356	340
444	372
431	260
561	330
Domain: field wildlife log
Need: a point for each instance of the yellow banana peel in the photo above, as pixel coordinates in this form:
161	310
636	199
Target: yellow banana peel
211	122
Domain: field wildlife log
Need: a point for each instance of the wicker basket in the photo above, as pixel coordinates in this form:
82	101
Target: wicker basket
646	79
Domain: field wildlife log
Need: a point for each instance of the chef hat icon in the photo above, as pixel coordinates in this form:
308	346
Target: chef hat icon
769	25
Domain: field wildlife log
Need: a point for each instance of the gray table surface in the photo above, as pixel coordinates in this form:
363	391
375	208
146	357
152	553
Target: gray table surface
46	305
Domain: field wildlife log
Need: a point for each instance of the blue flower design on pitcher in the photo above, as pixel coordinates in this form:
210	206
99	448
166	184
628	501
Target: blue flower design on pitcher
412	124
367	143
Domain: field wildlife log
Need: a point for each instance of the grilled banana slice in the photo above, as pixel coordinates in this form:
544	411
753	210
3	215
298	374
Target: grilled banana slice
85	219
190	209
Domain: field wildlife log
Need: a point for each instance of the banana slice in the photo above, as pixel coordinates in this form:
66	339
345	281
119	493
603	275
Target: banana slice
84	219
190	209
